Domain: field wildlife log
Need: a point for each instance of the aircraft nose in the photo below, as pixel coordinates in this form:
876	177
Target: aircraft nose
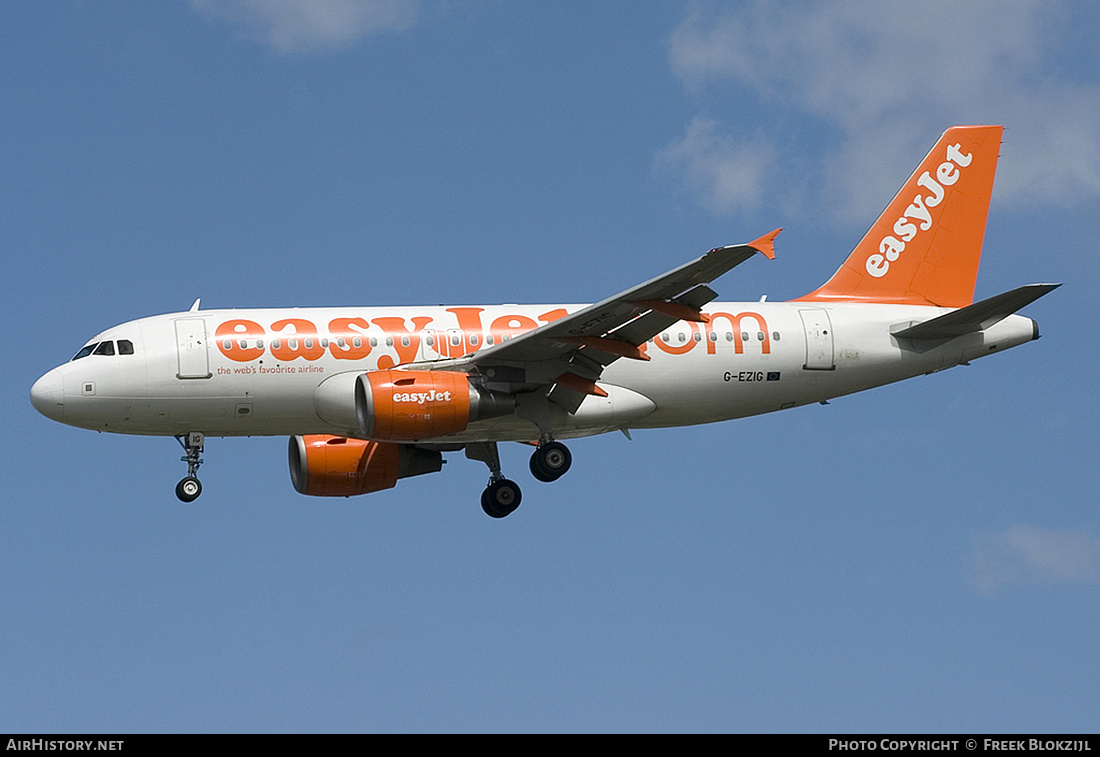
48	395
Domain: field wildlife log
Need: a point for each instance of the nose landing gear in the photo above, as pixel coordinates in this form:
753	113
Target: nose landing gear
189	488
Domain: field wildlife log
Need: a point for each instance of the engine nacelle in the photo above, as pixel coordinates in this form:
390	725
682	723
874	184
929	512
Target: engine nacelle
406	406
335	466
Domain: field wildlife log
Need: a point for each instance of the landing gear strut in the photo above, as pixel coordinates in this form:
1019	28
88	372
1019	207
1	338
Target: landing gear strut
501	497
189	488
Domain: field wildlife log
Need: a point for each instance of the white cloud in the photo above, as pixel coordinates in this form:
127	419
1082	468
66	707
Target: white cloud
1026	554
889	77
298	25
724	174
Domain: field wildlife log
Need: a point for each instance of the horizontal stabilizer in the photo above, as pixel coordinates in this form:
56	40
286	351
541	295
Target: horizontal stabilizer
977	317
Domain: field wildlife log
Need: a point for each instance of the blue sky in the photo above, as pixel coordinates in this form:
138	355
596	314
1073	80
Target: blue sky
921	557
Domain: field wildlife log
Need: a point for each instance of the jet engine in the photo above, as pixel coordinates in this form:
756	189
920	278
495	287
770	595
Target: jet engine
336	466
405	406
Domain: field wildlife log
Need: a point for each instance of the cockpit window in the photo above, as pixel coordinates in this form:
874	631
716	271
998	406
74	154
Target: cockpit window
85	351
125	347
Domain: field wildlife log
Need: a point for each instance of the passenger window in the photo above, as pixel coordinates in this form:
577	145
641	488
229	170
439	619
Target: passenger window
105	348
775	335
125	347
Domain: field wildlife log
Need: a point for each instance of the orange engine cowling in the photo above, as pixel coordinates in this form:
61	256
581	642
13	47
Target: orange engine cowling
335	466
405	406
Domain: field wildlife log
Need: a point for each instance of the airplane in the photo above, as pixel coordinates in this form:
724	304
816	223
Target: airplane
369	396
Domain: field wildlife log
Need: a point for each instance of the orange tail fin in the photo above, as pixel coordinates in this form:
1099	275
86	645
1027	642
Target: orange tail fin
925	247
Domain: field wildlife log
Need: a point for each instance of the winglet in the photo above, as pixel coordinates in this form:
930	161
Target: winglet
766	244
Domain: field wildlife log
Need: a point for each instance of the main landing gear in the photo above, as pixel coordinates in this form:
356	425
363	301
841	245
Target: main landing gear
550	461
501	497
189	488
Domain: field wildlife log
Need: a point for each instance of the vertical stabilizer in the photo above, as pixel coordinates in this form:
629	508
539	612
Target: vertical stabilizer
925	247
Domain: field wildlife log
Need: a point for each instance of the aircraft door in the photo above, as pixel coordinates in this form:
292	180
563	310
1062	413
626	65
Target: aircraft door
427	349
437	343
819	340
194	362
447	343
456	344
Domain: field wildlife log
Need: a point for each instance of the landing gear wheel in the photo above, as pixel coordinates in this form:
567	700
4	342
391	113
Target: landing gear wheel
550	461
500	498
188	489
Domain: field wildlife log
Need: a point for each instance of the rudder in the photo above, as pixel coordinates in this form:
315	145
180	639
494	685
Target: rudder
925	247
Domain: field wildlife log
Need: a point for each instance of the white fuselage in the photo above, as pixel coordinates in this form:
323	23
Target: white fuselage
260	372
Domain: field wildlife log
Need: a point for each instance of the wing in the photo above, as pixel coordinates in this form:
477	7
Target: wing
567	357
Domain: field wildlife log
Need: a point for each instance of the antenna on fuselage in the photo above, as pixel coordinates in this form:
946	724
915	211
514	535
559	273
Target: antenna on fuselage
195	306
